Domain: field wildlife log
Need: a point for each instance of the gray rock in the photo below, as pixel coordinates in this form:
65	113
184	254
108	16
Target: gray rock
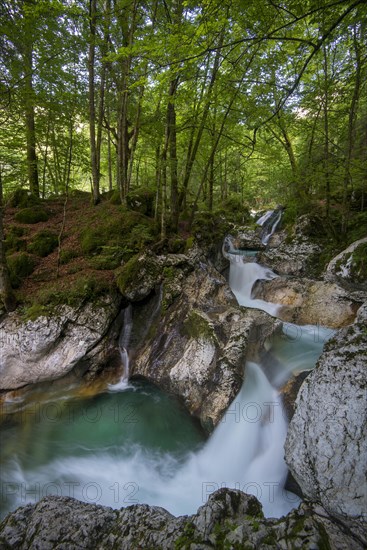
298	256
348	268
327	437
309	302
50	347
229	519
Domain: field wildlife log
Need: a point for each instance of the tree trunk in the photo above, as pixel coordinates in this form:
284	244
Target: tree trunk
351	133
172	139
92	107
191	158
326	159
32	161
6	292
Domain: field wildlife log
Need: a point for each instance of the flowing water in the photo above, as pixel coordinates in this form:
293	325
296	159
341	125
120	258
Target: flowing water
131	443
269	222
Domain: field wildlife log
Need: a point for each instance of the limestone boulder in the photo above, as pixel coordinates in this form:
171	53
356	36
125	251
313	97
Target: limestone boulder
50	347
306	301
327	436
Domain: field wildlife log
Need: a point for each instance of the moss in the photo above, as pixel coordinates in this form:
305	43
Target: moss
210	227
22	198
196	326
68	254
141	200
137	267
110	258
31	215
189	243
43	243
34	311
13	241
85	288
20	266
324	541
184	541
128	230
358	268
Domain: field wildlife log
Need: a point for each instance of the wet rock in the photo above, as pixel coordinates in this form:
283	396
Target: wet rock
50	347
290	391
327	437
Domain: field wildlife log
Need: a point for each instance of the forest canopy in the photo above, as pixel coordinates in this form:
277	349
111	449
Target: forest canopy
201	105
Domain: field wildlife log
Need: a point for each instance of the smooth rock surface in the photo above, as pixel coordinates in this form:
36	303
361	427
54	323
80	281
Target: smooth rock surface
326	446
309	302
50	347
229	519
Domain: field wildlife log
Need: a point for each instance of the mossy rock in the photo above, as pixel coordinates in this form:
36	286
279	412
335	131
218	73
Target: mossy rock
20	265
43	243
22	198
141	200
13	241
139	276
31	215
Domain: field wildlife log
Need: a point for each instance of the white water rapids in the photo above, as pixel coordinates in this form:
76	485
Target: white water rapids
124	467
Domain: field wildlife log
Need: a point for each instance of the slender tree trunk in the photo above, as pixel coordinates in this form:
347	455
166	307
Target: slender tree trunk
127	21
326	159
32	161
196	143
7	296
92	106
45	160
172	142
57	178
351	133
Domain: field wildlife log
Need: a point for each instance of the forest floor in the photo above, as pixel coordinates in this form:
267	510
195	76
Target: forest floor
84	229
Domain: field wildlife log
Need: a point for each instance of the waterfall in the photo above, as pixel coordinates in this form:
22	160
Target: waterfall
144	448
242	277
269	222
124	340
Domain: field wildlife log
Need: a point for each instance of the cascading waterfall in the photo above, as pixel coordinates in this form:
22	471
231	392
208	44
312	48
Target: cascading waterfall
144	448
269	222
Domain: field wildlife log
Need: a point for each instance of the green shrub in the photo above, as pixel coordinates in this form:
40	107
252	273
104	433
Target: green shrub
31	215
20	266
141	200
44	243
